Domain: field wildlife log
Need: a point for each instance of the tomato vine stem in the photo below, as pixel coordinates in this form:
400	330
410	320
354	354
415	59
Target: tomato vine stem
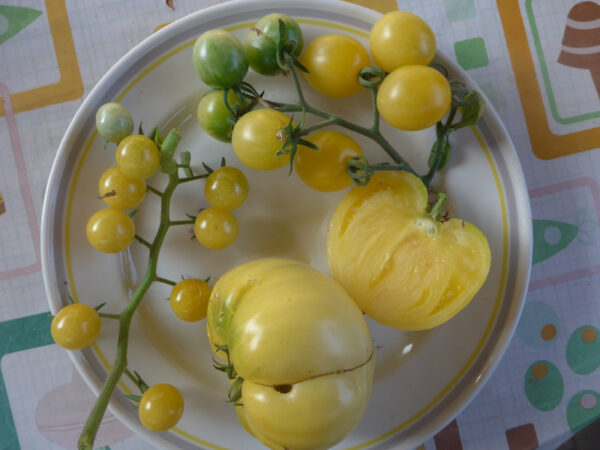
88	434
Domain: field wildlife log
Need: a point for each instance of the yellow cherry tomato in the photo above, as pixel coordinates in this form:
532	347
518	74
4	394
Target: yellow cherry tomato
334	62
189	299
401	38
75	326
325	169
110	230
138	156
119	190
216	228
302	347
257	138
226	188
161	407
414	98
402	267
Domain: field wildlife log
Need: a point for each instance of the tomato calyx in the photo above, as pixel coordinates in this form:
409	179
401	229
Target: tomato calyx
234	394
371	77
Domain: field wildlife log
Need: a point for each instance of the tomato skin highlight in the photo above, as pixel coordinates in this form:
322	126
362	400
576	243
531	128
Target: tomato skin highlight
114	122
161	407
303	387
414	98
213	115
220	59
260	42
334	62
226	188
256	139
189	299
75	326
138	157
325	169
403	268
120	191
216	228
110	230
399	39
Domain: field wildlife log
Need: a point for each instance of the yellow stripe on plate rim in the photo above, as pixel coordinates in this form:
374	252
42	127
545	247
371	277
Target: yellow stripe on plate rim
503	275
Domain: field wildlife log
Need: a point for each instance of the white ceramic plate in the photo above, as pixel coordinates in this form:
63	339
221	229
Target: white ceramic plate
422	380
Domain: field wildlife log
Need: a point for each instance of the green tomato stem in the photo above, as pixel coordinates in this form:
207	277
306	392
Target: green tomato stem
437	206
153	190
142	241
195	177
109	315
165	281
182	222
439	143
88	435
333	119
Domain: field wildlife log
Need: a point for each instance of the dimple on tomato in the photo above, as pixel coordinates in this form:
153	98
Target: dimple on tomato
257	138
404	268
414	98
325	169
334	62
302	348
401	38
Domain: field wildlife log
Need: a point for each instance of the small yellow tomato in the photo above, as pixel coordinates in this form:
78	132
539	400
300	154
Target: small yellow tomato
216	228
189	299
256	139
75	326
414	98
334	62
119	190
226	188
110	230
161	407
325	169
138	156
401	38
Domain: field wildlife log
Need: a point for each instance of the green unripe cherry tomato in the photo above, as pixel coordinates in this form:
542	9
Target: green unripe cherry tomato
216	228
114	122
220	59
75	326
110	230
120	191
414	97
226	188
189	299
161	407
401	38
138	156
214	117
261	42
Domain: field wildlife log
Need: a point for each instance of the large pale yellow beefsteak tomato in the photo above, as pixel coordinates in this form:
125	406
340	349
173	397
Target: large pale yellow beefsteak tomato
302	348
403	268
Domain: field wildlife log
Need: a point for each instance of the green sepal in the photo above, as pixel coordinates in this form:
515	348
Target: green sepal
471	109
99	307
208	169
135	398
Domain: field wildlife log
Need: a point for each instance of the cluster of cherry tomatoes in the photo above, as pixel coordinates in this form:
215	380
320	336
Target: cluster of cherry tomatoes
412	95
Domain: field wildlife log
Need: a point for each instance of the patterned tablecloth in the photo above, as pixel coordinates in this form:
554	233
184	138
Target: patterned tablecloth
538	61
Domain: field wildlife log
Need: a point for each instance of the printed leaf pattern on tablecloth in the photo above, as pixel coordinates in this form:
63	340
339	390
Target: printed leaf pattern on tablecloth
15	18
